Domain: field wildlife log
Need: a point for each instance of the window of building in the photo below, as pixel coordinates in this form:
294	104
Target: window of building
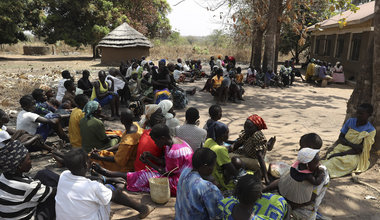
328	48
339	48
355	49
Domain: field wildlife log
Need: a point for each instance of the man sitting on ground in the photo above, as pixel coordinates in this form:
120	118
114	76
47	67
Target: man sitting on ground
81	198
190	132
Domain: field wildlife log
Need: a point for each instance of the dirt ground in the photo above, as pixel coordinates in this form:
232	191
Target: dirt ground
289	113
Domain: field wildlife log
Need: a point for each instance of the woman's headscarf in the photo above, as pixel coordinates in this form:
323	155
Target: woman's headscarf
165	106
45	87
11	156
258	121
216	129
90	108
149	110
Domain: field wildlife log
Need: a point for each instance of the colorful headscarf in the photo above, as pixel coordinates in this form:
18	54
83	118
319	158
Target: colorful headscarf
258	121
215	129
11	156
90	108
163	61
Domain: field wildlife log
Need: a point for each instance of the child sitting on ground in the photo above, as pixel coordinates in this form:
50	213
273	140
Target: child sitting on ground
30	122
70	93
31	142
61	88
215	112
42	107
81	198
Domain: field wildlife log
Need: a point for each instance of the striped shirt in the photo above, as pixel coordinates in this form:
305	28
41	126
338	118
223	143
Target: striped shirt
19	196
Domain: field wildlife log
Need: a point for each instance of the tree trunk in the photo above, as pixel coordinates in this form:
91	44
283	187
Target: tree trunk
95	53
253	48
270	36
376	76
258	48
278	39
367	89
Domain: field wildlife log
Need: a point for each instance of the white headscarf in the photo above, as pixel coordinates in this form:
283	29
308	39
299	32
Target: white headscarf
149	110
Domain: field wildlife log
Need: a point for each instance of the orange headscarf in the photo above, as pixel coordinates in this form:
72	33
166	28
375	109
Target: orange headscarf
258	121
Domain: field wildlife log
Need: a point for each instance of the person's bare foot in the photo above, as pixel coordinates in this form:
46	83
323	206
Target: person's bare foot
146	212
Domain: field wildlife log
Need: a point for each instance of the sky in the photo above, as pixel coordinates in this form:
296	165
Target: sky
191	19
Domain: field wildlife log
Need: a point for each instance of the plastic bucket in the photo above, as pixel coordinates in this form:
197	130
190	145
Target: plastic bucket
159	190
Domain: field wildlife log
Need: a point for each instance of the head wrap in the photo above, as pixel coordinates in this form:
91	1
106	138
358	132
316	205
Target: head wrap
163	61
90	108
258	121
216	129
165	106
11	156
149	110
45	87
144	73
4	135
143	63
305	155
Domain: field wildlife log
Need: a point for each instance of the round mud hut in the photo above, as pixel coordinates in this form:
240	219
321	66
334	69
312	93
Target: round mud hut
123	43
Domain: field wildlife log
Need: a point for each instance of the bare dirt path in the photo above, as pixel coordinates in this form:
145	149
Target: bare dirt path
289	113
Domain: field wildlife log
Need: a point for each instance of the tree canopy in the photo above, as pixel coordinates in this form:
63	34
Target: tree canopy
82	22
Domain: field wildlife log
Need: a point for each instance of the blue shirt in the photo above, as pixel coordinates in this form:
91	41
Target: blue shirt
197	199
42	109
351	123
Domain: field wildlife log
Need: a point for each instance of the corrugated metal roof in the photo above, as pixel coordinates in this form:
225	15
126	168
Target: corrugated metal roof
364	13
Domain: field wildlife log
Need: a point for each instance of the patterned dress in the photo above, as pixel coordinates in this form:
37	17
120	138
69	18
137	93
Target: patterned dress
269	206
251	144
177	156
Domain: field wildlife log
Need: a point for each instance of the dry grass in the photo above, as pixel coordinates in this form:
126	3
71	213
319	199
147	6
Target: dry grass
60	48
186	52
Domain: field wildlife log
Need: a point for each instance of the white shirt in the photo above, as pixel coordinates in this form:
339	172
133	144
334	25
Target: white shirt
129	72
27	121
61	89
219	63
4	135
79	198
177	74
192	134
119	84
186	68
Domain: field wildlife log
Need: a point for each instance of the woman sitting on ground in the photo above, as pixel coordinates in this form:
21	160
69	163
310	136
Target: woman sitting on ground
178	156
103	94
153	115
224	171
251	146
250	203
304	185
121	157
92	129
338	74
355	142
197	197
167	110
218	90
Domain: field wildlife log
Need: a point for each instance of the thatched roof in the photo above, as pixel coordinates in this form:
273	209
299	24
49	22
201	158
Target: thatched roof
364	13
124	36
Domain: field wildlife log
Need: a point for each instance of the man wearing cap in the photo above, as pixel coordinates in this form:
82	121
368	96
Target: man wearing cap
23	197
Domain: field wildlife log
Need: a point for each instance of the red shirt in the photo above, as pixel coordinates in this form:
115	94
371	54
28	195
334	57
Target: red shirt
146	144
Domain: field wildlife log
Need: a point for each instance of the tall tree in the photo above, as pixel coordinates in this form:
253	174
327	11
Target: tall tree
85	22
12	21
270	36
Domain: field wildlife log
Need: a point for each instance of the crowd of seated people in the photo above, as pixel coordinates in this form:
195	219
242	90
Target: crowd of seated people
323	73
211	176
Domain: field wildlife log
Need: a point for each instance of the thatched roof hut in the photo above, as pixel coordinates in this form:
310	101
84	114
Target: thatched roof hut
123	43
